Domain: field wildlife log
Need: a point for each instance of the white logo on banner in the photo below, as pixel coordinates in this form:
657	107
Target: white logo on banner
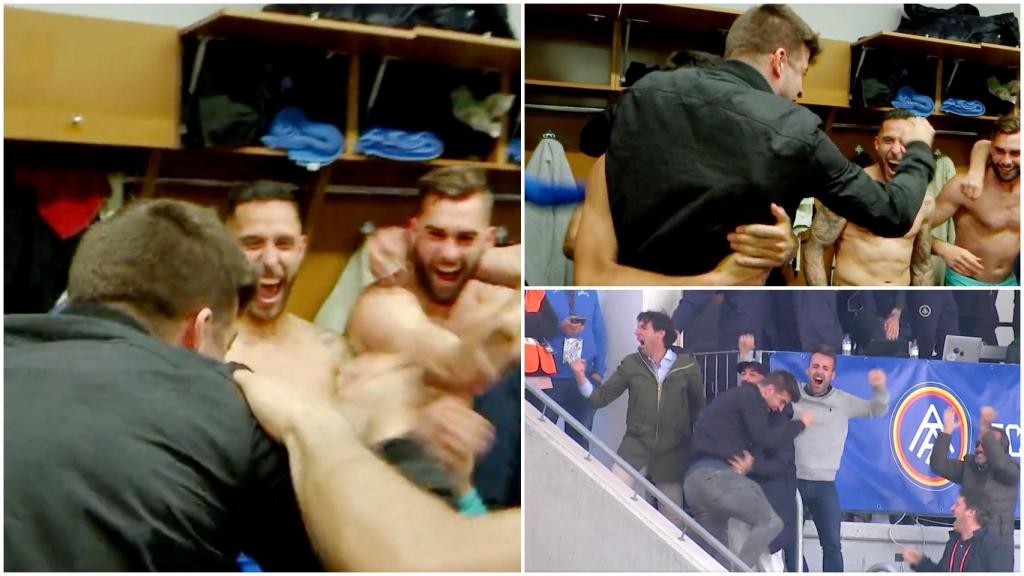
929	429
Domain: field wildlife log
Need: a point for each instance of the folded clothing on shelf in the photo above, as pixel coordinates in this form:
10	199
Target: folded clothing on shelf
309	144
400	145
1008	92
962	107
916	104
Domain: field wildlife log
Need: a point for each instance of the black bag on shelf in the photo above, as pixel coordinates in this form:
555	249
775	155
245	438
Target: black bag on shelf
961	22
242	85
473	18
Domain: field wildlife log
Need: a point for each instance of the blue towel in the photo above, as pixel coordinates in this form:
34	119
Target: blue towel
515	150
247	564
916	104
308	143
963	107
400	145
545	194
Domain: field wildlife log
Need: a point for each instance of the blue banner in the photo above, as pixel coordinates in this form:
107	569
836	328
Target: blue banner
885	464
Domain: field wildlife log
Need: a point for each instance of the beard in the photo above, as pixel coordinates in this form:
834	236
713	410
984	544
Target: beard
1005	176
448	295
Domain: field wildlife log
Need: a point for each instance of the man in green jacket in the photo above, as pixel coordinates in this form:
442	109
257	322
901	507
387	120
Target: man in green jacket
666	392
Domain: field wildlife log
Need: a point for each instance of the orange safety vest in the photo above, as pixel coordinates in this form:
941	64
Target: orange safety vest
536	356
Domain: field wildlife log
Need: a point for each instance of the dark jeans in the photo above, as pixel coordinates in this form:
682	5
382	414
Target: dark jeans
567	394
821	501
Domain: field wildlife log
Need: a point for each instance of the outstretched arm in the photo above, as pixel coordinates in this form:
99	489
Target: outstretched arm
361	514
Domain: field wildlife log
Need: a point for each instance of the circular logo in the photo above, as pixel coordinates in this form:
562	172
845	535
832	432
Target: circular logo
925	311
916	423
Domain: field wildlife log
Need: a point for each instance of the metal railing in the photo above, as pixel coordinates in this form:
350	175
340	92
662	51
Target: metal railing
689	523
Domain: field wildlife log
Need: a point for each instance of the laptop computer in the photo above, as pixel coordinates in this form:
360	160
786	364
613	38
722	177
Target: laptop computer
962	349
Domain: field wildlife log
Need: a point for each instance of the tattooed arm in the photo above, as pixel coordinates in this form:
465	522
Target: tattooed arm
921	259
825	230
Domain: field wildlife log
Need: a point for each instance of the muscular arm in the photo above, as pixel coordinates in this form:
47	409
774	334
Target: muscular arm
390	319
502	266
921	257
363	516
825	230
597	249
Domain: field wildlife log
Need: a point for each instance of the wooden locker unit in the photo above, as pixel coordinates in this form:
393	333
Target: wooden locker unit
89	80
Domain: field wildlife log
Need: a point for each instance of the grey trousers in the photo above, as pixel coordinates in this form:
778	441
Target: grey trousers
717	494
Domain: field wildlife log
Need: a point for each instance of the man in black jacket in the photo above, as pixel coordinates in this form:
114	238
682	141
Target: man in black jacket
697	156
716	485
972	546
124	448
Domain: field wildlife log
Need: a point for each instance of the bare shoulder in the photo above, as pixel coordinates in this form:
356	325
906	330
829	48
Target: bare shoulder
951	191
309	332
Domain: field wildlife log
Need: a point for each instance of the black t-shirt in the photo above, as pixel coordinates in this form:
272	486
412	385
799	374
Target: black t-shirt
123	453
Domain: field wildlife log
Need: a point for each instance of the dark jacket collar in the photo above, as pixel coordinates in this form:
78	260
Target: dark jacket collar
104	313
746	73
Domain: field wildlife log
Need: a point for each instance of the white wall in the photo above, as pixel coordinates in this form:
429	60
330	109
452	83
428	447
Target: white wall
849	22
181	15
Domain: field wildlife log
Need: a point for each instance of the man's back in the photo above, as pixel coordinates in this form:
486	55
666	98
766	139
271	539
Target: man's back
704	148
124	453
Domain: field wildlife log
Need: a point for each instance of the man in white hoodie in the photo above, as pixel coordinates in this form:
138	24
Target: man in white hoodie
819	452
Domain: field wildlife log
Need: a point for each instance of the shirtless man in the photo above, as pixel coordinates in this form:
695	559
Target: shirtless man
442	313
863	258
264	217
987	227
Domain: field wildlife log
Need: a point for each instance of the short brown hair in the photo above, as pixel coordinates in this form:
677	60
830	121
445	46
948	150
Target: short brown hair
455	183
978	500
1009	124
165	259
659	322
783	381
763	29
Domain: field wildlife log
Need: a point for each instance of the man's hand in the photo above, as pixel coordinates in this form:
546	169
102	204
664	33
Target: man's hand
765	245
912	556
949	422
807	418
876	378
454	435
972	185
962	260
892	326
730	272
579	367
988	416
918	130
743	463
571	329
596	377
746	345
387	252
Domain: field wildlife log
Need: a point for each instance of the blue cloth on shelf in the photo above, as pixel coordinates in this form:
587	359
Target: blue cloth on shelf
515	150
547	194
308	143
400	145
963	107
247	564
916	104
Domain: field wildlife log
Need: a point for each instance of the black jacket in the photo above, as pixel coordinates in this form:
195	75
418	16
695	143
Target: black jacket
123	453
984	551
775	472
695	153
737	420
999	477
